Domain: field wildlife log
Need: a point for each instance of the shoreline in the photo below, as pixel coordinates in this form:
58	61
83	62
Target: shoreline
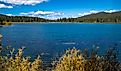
67	22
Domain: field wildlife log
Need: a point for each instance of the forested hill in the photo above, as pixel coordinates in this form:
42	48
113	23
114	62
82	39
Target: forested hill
21	19
95	17
102	17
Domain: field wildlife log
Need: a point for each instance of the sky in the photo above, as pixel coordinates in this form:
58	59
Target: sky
54	9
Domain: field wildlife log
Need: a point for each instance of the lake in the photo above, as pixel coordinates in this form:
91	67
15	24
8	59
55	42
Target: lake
51	40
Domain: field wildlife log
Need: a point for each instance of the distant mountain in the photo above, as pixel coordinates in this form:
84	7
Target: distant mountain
96	17
100	17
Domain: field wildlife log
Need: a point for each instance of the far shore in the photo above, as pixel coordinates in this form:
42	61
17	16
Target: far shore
68	22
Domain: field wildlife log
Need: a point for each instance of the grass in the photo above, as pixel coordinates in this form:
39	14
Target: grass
5	23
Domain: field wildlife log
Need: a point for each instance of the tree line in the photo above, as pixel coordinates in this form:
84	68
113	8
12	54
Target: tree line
100	17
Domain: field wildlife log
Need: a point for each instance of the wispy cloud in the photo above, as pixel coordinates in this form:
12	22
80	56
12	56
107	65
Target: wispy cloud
9	14
5	6
110	11
24	2
87	13
44	14
94	11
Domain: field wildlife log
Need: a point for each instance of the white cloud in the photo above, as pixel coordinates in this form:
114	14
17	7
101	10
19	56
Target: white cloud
87	13
24	2
94	11
110	11
9	14
29	13
5	6
45	14
83	14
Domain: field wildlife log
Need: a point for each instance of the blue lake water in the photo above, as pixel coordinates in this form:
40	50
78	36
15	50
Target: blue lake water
50	40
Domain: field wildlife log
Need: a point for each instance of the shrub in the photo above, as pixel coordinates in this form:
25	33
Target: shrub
19	63
74	60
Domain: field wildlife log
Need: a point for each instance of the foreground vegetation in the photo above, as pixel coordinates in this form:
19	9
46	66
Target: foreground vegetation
75	60
72	60
18	63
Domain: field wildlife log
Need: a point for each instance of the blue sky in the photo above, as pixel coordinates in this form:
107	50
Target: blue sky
53	9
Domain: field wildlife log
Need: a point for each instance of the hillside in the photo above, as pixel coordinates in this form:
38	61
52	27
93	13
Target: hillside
96	17
21	19
101	17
